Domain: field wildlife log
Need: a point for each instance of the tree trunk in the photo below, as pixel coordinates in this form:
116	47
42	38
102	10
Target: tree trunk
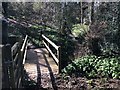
91	14
81	11
118	35
4	23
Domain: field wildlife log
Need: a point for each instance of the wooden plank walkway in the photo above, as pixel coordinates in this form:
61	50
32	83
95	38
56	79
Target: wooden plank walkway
41	68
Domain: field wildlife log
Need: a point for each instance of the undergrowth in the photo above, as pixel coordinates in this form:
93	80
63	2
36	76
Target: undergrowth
94	67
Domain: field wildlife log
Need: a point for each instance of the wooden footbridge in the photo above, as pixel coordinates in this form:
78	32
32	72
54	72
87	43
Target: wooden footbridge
41	64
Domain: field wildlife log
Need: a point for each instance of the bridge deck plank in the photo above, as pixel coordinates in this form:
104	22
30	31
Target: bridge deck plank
40	67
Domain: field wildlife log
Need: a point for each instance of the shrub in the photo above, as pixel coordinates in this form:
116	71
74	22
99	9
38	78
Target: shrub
93	66
79	30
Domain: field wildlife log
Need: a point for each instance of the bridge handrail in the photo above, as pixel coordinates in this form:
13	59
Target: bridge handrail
56	58
14	48
24	49
13	58
49	41
24	43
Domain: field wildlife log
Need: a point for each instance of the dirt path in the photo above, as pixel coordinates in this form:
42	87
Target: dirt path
41	68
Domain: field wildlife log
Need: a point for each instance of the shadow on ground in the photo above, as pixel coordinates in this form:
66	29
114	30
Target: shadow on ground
29	83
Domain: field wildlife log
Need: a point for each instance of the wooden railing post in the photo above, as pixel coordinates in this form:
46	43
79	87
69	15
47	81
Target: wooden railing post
10	65
22	67
59	58
5	75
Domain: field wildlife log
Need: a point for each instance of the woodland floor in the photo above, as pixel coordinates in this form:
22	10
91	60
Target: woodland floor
41	74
